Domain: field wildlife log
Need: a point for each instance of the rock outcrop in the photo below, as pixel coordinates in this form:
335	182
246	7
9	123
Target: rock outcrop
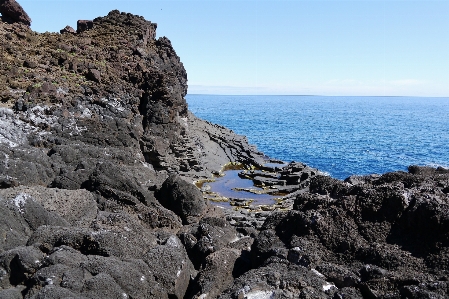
98	152
12	12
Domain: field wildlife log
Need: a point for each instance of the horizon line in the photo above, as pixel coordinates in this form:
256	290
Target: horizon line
318	95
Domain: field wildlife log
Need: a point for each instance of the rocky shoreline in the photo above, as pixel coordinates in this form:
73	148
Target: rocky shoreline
98	159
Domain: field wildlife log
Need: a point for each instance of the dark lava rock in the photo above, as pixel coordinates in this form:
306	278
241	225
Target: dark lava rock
94	75
209	235
12	12
67	29
279	280
83	25
217	273
183	198
365	237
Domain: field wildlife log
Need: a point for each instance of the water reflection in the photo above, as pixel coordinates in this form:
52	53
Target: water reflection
230	186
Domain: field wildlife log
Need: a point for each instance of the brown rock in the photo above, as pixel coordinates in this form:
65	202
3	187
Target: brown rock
94	75
30	64
12	12
83	25
67	29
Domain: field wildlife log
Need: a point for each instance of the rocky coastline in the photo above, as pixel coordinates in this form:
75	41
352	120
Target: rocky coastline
99	157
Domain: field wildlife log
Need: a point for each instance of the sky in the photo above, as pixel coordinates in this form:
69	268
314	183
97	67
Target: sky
301	47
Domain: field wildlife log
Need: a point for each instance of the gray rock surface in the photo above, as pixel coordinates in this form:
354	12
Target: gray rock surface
183	198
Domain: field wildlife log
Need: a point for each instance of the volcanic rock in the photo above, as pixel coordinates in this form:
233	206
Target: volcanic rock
183	198
11	11
98	155
67	29
83	25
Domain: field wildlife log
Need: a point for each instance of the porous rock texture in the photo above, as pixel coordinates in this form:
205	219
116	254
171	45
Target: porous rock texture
12	12
98	152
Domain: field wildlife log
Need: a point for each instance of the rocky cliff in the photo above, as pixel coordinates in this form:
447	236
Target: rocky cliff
98	152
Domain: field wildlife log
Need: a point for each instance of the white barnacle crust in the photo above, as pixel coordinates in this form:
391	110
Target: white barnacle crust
20	200
328	286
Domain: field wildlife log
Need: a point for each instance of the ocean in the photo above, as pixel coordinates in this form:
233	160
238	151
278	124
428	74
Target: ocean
341	136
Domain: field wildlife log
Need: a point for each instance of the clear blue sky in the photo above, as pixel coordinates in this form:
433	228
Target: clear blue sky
329	47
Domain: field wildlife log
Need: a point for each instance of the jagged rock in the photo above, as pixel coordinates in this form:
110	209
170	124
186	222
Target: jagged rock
209	235
279	280
22	214
11	11
67	29
94	75
77	207
12	293
20	264
83	25
217	273
171	266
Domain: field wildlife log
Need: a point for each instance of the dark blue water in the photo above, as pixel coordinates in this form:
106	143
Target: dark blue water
338	135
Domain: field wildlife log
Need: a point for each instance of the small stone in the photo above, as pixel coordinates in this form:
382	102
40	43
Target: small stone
94	75
30	64
67	29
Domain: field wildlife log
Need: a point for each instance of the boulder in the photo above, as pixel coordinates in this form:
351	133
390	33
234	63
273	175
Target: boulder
183	198
279	280
12	293
77	207
67	29
170	265
209	235
12	12
83	25
217	273
20	264
94	75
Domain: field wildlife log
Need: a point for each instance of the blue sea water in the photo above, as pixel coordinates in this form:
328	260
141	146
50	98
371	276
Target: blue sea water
338	135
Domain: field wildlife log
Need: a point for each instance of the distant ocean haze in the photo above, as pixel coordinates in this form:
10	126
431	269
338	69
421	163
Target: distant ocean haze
342	136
